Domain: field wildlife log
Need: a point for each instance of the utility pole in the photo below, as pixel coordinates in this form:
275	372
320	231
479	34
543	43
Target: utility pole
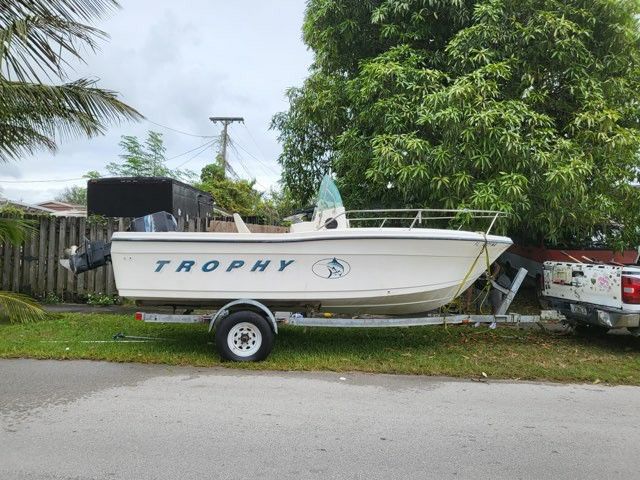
225	121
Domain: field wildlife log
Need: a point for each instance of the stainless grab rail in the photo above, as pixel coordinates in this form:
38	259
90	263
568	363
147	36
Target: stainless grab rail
417	216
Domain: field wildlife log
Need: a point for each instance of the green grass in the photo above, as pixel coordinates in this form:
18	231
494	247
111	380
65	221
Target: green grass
459	351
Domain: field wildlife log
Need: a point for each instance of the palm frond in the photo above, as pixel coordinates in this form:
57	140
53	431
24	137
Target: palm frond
16	141
15	230
33	116
37	35
20	308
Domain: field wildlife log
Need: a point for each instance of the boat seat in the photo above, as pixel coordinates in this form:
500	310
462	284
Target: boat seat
240	225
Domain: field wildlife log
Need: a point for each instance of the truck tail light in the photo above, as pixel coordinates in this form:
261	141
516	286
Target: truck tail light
630	289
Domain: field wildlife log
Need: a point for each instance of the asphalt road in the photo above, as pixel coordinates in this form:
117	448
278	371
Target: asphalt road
92	420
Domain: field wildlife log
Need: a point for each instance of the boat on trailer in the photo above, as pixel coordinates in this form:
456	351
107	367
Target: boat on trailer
386	262
324	264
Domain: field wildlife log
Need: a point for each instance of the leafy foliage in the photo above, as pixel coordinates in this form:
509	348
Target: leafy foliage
17	307
526	106
16	230
233	196
20	308
9	210
75	195
37	38
145	160
101	299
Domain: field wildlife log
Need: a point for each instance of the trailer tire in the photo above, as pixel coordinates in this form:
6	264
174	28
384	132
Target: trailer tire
244	336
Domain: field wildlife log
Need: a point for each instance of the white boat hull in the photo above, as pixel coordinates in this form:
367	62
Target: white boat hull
378	271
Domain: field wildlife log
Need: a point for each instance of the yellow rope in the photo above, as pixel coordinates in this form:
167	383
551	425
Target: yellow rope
473	266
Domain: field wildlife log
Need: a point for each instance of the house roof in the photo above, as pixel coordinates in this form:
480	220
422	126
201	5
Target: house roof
60	206
52	207
26	206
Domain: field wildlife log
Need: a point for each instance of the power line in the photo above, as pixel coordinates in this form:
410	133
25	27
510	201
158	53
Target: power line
233	173
245	168
256	144
204	149
180	131
205	144
44	181
263	164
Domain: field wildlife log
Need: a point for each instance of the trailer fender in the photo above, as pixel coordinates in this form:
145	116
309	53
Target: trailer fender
236	305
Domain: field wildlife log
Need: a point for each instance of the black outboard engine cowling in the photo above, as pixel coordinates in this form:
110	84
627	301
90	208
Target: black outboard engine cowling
98	253
95	254
155	222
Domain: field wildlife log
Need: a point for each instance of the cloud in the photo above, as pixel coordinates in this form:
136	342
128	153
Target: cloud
178	64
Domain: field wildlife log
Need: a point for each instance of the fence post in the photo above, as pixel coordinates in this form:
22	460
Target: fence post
90	276
6	265
99	283
42	251
24	267
70	293
110	290
80	279
62	239
51	256
33	264
15	284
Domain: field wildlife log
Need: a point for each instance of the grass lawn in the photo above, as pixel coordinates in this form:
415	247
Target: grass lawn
460	351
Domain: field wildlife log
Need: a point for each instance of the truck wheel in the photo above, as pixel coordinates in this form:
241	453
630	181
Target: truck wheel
244	336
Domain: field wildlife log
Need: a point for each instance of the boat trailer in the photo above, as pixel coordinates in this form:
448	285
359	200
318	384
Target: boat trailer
245	328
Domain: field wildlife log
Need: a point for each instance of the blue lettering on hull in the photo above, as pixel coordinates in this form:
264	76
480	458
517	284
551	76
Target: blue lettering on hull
190	266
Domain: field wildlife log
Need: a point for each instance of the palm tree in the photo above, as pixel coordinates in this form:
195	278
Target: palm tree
38	40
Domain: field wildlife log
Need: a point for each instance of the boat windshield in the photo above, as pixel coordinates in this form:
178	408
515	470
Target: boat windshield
328	196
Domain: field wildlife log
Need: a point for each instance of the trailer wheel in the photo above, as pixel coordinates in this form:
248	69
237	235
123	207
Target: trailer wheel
244	336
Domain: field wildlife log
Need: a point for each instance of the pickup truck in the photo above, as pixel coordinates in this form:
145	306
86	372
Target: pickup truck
600	296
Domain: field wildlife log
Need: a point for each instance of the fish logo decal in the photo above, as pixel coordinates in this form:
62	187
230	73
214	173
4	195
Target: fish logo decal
331	268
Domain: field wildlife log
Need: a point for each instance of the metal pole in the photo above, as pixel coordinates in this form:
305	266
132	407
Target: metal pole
225	124
513	289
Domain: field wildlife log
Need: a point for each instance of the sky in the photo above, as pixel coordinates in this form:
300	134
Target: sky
178	65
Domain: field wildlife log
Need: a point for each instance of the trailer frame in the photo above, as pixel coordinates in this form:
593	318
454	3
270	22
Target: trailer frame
251	306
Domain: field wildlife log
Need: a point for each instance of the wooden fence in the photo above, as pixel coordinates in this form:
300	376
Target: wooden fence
33	268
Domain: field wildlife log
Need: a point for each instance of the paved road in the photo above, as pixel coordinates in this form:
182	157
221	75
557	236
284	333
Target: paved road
93	420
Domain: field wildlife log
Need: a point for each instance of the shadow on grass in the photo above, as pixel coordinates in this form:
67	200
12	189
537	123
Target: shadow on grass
612	342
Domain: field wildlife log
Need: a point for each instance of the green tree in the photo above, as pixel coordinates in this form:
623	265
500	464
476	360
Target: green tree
526	106
233	196
145	160
38	40
75	195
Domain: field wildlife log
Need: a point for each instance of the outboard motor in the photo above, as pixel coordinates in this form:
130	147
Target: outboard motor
98	253
95	254
156	222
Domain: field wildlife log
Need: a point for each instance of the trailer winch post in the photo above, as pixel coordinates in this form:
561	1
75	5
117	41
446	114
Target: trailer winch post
511	292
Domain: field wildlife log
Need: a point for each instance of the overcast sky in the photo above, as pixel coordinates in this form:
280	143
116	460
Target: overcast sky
179	65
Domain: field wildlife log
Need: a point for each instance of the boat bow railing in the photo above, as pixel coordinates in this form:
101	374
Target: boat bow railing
415	217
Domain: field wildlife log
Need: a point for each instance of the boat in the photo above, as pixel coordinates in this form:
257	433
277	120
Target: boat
388	262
